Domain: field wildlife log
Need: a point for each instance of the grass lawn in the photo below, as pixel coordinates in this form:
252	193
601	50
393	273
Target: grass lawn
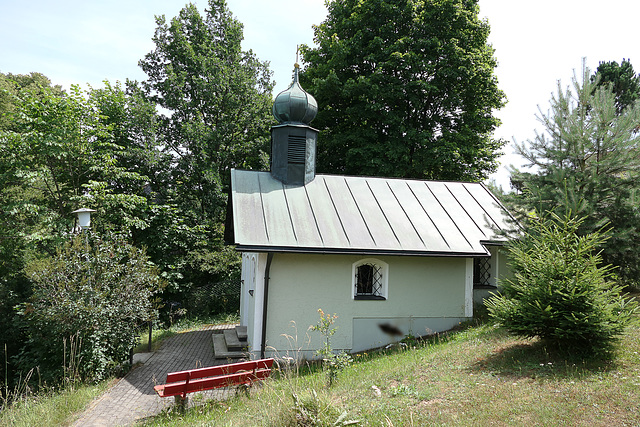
477	376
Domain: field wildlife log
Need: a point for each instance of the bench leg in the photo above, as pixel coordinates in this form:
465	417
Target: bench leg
181	403
244	388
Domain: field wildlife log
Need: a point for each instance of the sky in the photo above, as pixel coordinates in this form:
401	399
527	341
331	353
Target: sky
537	44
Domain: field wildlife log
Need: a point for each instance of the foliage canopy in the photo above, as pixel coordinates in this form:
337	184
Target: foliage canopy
217	99
156	180
625	83
214	104
405	88
94	294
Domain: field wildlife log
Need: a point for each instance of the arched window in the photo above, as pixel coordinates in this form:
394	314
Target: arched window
370	279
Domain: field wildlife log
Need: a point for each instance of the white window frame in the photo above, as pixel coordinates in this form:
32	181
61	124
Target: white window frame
384	271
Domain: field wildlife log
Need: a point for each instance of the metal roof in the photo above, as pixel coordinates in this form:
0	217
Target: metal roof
364	215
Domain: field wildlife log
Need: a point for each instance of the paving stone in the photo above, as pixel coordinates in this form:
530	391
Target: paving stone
132	398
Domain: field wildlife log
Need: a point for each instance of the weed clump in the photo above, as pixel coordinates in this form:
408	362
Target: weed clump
333	363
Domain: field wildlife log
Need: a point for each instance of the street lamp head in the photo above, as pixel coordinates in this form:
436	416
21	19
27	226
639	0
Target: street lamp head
84	217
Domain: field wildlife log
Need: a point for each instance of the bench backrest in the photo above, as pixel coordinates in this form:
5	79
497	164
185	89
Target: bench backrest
214	371
183	382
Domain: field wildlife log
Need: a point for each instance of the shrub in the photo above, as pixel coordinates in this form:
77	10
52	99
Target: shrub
88	302
560	292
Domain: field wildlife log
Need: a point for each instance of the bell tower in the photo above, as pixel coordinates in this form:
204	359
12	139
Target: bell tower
293	141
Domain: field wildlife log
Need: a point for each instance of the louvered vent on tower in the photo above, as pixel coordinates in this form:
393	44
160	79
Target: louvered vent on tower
297	148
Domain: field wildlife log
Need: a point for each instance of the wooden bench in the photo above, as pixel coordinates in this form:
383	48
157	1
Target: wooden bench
179	384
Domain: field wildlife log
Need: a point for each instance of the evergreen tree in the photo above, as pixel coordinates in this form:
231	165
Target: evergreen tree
405	88
560	292
625	82
586	162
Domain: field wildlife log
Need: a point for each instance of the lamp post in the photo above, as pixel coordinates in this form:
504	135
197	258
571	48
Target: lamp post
84	217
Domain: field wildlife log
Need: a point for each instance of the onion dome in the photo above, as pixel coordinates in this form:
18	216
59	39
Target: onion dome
294	105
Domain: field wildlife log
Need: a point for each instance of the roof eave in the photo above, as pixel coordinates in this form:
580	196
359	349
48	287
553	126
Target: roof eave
356	251
493	242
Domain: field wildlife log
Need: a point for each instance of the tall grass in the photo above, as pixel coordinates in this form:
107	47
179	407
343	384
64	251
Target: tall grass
32	402
50	408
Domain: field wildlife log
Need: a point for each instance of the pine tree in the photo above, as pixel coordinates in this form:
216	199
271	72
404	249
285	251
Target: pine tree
624	80
587	162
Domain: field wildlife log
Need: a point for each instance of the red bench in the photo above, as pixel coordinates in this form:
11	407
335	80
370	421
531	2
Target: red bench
179	384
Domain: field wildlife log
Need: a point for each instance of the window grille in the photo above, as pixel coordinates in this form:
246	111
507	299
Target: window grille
369	280
482	272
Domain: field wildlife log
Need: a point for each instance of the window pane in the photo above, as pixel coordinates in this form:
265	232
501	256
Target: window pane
481	272
364	279
369	280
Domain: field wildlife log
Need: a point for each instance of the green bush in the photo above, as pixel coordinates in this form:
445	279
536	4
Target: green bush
88	301
560	292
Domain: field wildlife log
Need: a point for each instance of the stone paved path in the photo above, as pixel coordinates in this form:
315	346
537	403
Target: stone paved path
133	398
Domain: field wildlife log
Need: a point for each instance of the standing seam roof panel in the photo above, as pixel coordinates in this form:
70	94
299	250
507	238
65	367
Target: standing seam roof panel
373	215
395	215
329	225
248	211
470	207
441	219
276	212
422	223
302	217
489	223
459	218
492	207
349	214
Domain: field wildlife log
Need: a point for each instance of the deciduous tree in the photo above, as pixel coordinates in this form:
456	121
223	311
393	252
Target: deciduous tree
215	103
11	85
217	100
93	293
58	152
405	88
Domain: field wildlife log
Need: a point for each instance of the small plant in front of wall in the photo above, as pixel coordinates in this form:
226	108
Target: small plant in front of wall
332	363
